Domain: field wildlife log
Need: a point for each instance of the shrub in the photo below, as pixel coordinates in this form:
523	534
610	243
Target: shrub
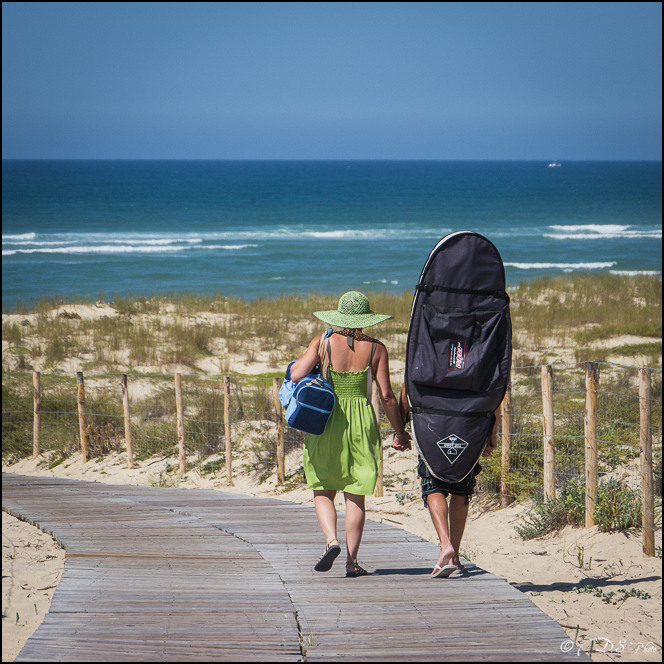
618	508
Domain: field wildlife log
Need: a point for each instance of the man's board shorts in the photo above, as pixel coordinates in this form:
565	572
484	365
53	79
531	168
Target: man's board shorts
431	484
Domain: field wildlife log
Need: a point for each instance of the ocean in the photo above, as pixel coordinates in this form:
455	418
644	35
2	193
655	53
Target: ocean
94	229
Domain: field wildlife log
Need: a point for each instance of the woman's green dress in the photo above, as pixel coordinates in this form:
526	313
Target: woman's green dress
347	454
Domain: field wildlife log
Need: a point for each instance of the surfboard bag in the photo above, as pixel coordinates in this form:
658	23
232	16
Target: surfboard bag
458	353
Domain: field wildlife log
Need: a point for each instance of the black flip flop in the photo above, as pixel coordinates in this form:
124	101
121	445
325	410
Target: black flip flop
356	571
326	560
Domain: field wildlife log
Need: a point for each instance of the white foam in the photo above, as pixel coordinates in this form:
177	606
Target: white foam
139	248
600	232
593	228
561	266
18	237
635	273
101	249
345	234
229	247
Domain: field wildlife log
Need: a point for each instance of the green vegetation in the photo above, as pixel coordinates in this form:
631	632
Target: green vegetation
149	338
612	597
618	508
575	312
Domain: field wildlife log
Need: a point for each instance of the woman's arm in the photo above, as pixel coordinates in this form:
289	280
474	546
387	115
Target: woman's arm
307	362
404	408
387	398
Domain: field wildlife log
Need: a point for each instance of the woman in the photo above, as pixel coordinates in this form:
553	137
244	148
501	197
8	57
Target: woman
346	456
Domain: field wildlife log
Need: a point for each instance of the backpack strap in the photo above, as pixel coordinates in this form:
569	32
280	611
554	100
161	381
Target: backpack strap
456	413
325	342
429	288
369	373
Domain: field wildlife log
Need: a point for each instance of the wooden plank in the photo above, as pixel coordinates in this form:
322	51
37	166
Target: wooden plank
177	575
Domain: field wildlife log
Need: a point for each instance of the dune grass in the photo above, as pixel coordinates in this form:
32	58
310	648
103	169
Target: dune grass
152	336
575	311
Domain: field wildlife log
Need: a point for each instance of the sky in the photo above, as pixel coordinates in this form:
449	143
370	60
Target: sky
332	80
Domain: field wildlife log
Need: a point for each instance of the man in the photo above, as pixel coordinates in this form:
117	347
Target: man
448	520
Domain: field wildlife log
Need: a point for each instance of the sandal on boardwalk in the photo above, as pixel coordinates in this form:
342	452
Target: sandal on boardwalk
326	560
355	570
443	572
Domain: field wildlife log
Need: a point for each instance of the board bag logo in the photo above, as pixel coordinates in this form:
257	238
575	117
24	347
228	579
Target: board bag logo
457	357
452	447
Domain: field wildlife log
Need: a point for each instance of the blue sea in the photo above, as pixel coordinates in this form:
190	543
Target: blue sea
264	228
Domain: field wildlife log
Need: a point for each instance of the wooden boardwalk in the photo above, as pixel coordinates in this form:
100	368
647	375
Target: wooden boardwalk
154	574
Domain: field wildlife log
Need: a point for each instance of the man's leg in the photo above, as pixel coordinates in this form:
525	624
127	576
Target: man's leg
437	504
458	514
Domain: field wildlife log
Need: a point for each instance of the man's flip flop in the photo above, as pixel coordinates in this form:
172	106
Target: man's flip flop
326	560
443	572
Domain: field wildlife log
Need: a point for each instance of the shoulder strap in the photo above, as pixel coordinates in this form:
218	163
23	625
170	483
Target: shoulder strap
429	288
321	358
369	373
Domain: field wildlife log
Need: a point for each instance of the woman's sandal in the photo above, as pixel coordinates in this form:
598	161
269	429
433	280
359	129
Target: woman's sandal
356	570
326	560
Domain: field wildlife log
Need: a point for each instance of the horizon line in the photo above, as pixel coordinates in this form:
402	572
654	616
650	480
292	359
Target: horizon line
323	159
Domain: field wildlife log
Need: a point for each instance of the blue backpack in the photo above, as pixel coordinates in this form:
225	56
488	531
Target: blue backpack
310	401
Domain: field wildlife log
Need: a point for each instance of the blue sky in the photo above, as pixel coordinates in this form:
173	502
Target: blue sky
132	80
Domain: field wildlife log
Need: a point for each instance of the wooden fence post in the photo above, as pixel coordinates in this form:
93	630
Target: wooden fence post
590	429
281	461
506	435
179	408
127	421
80	397
36	422
375	402
227	429
549	474
645	445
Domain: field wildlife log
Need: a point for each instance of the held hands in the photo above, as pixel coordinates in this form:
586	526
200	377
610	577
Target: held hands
401	441
491	445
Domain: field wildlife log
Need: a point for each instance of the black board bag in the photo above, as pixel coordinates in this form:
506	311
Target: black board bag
458	353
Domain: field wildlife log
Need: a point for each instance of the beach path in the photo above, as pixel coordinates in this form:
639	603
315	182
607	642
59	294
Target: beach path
198	575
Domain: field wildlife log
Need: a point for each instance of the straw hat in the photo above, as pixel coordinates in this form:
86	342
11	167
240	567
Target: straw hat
353	311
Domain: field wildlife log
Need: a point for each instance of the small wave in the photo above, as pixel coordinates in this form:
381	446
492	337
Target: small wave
161	242
13	237
635	273
561	266
600	232
346	234
42	243
99	249
229	247
139	248
593	228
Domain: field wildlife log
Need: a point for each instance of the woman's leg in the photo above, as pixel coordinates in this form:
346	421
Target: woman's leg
327	514
355	516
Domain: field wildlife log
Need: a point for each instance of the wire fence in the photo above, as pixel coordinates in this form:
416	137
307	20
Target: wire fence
552	422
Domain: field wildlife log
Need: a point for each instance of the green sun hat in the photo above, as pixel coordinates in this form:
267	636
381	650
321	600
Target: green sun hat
353	311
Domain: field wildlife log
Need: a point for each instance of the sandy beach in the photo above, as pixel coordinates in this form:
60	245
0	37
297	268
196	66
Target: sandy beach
32	565
569	575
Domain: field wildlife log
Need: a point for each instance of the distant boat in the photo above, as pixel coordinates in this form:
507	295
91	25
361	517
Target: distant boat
555	164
